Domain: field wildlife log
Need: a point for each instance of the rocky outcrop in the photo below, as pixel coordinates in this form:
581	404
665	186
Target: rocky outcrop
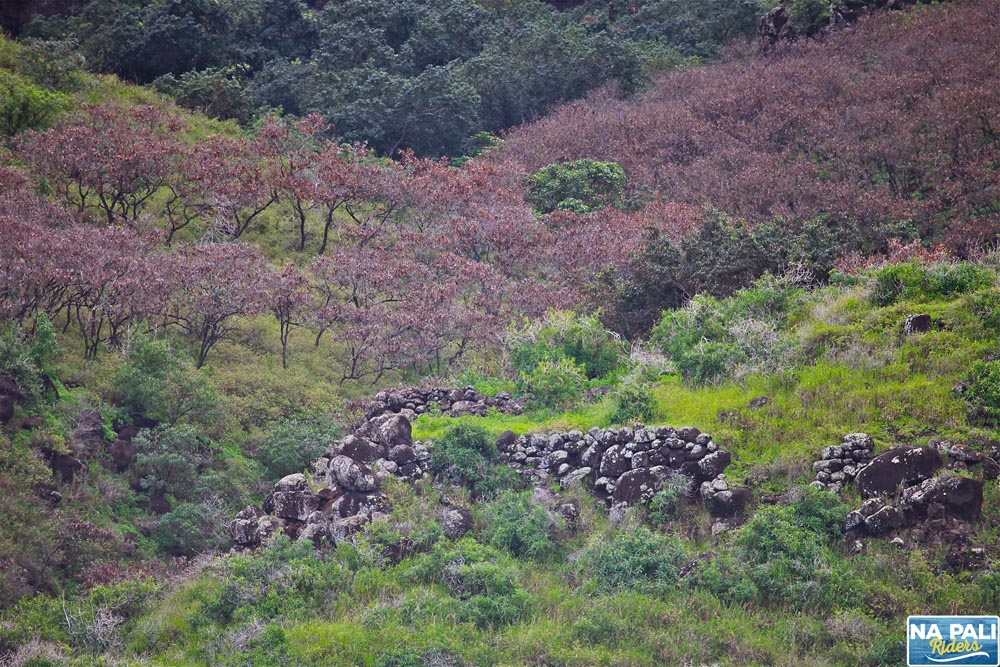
627	466
897	468
839	464
455	402
909	494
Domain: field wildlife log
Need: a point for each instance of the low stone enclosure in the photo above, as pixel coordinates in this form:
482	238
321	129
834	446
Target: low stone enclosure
910	494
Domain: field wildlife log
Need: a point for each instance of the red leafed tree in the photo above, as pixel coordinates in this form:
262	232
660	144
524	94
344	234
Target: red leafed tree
106	159
212	286
289	300
240	182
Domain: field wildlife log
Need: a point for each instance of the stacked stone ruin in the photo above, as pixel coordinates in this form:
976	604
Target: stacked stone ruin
349	475
910	493
625	467
839	464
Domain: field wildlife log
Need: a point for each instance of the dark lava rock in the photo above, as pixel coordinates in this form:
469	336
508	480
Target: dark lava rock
730	502
959	495
899	466
634	487
456	522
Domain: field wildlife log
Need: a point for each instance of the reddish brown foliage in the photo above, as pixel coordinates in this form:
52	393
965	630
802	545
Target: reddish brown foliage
895	120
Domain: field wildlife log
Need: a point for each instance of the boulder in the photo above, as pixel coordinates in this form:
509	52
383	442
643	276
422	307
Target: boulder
394	430
577	477
899	466
353	503
885	520
296	505
6	408
916	324
991	469
613	462
402	454
635	487
66	467
456	522
961	496
244	528
123	453
351	475
294	482
359	449
506	440
714	464
729	502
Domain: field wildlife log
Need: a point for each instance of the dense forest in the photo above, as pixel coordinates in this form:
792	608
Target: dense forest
329	331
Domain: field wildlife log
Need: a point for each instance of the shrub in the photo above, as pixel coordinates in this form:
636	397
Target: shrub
636	558
565	334
555	384
27	360
160	383
982	392
633	402
192	528
581	186
292	445
483	580
171	460
918	280
467	455
523	529
672	495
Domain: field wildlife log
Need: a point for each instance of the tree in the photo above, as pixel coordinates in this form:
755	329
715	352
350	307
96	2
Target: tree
289	301
213	286
107	159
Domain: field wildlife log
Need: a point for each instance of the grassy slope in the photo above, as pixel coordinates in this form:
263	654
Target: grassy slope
349	606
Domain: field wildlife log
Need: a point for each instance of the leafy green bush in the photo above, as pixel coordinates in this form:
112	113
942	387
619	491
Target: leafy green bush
190	528
672	495
565	334
484	581
161	384
467	455
523	529
25	105
633	402
292	445
711	339
783	556
554	384
982	392
172	459
635	558
27	360
918	280
581	186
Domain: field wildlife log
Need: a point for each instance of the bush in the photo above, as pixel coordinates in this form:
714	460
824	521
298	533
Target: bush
982	393
27	360
673	493
581	186
633	402
554	384
172	459
293	445
523	529
711	339
160	384
483	580
919	281
191	528
636	559
564	334
467	455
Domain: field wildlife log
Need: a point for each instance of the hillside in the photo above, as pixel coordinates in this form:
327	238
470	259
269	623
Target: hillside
886	129
704	377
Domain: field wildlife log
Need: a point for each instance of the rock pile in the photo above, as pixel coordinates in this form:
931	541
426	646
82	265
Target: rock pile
839	464
455	402
909	493
627	466
624	466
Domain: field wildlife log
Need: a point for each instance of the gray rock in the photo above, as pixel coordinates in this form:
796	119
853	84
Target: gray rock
351	475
